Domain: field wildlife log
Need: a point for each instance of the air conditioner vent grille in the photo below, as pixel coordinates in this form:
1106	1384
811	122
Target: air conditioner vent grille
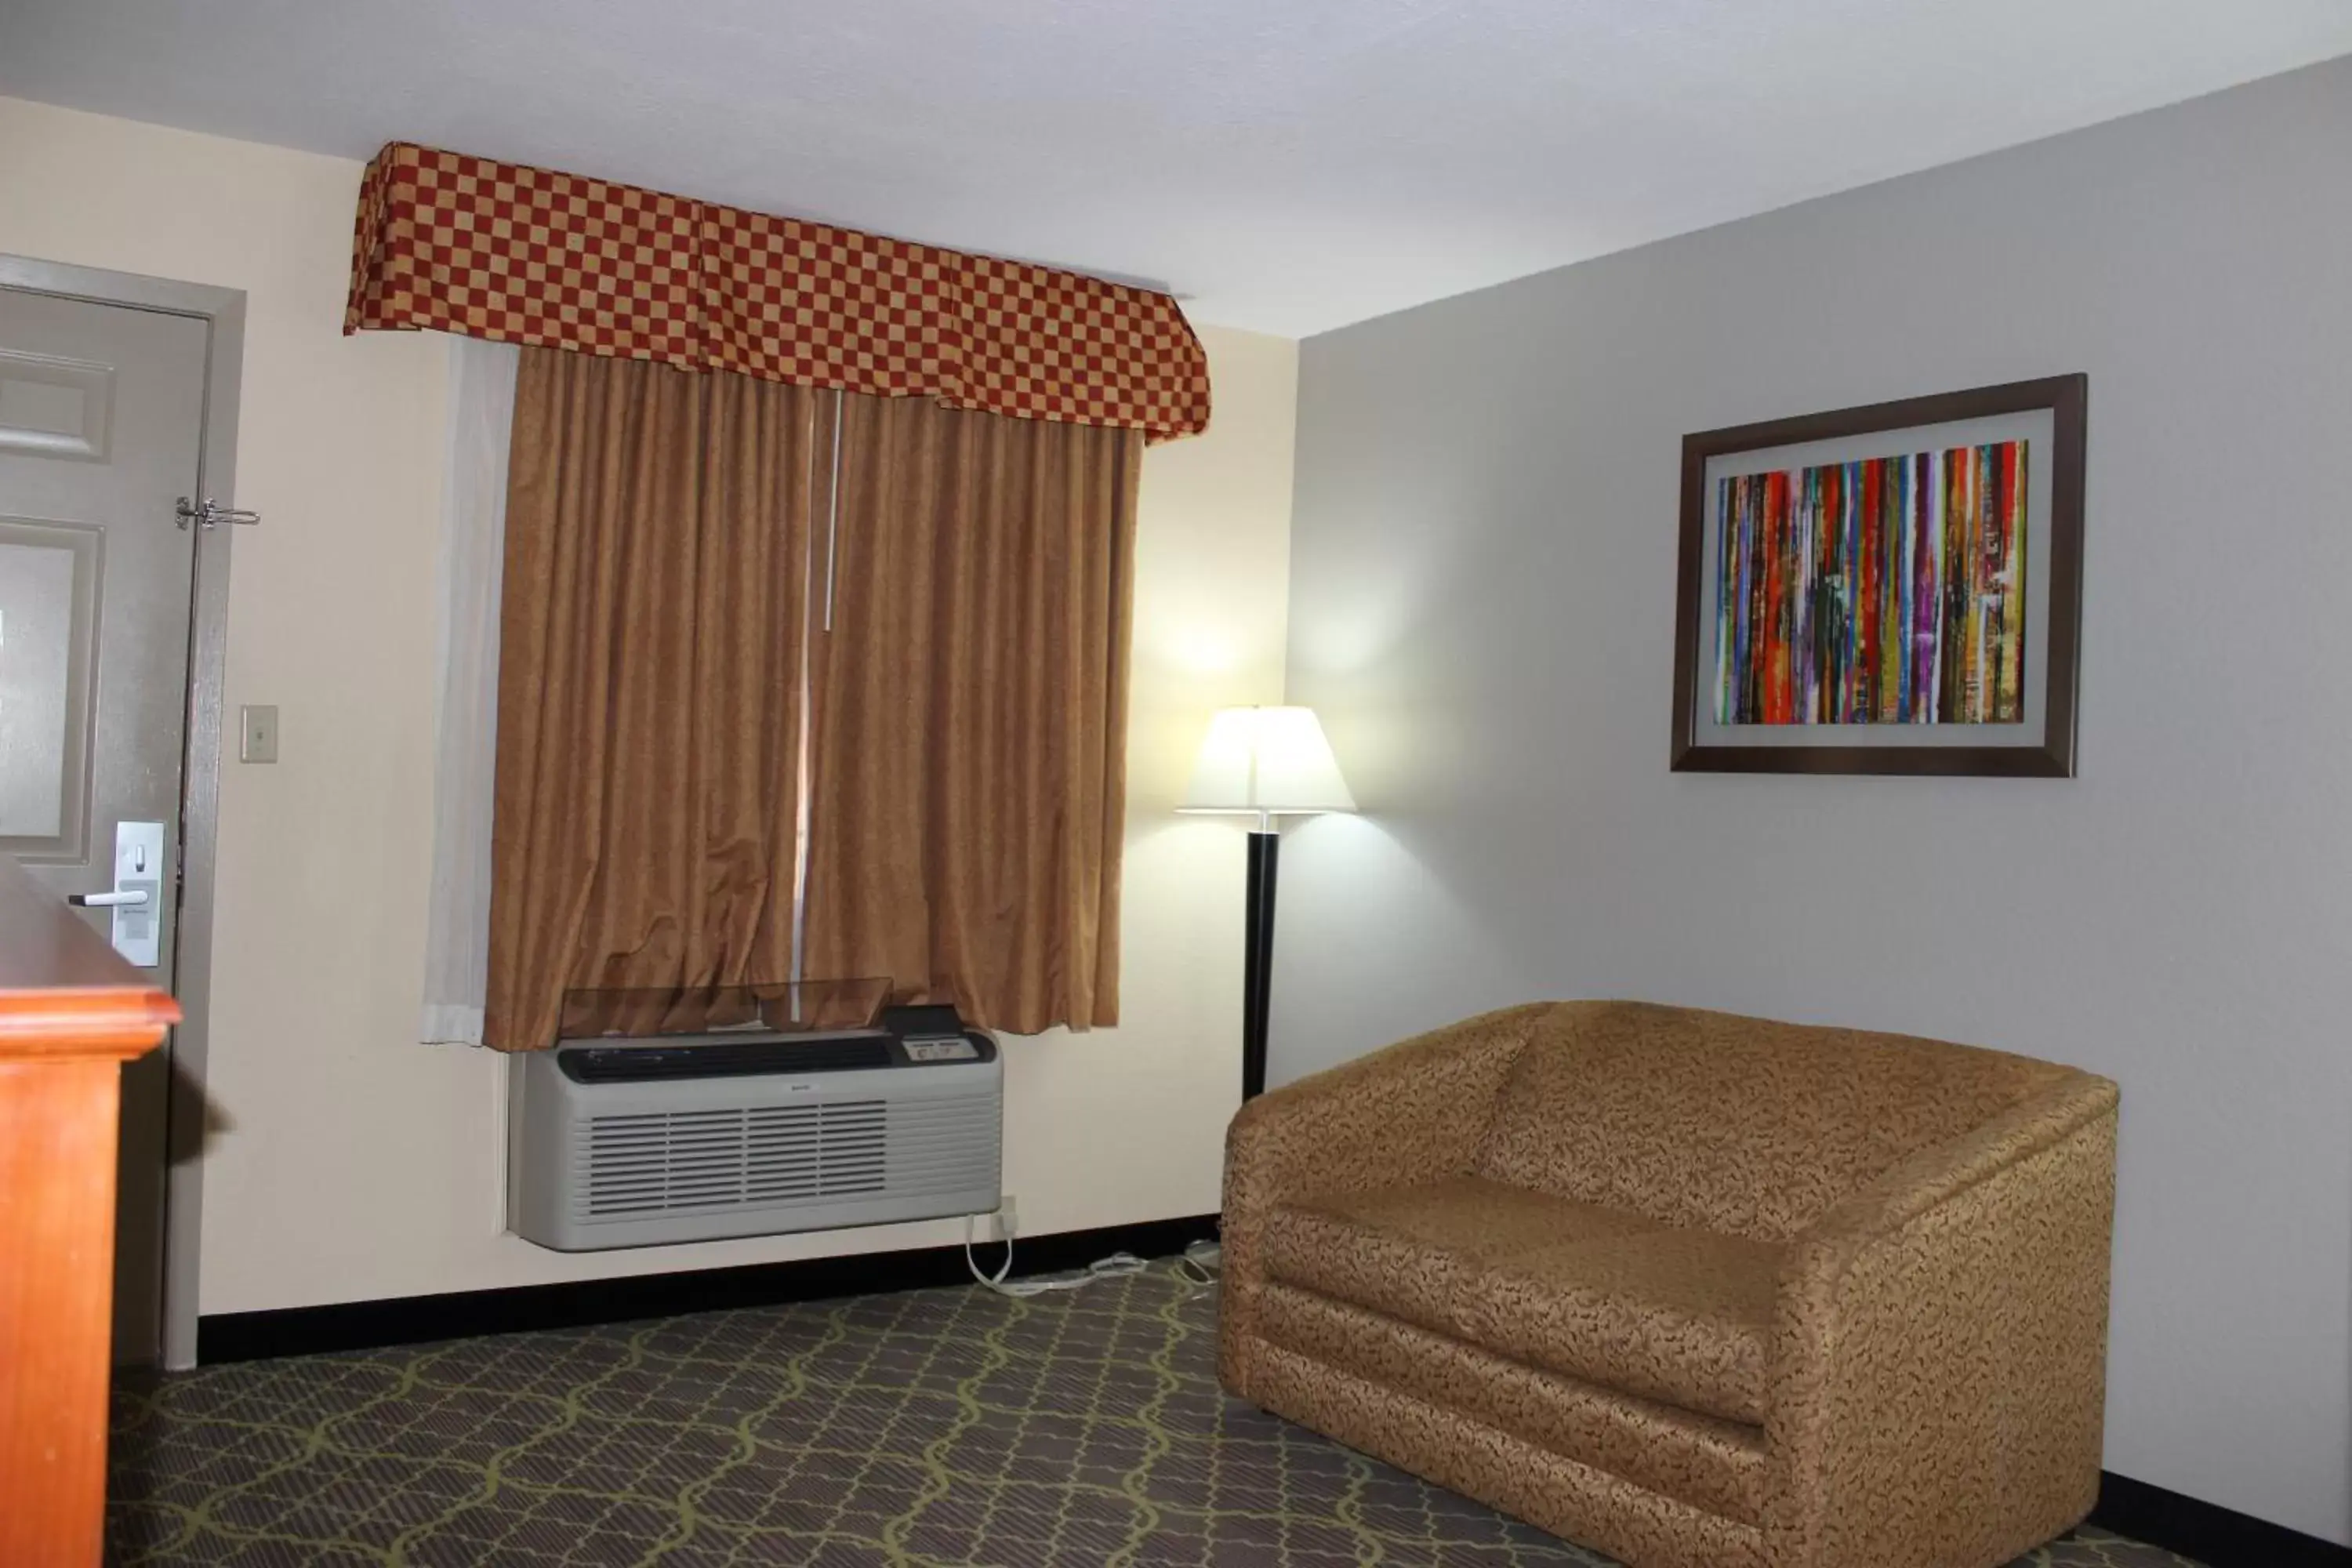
654	1160
671	1161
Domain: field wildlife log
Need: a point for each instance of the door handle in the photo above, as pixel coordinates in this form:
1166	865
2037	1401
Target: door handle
114	901
135	902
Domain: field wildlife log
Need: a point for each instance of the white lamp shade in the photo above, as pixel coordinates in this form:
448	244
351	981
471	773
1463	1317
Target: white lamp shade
1266	762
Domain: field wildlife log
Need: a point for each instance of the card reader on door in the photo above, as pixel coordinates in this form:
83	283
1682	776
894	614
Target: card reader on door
136	898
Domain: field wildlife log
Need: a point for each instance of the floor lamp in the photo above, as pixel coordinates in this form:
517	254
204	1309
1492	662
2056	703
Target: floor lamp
1264	763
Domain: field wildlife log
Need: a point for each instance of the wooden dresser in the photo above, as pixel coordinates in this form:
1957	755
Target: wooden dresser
71	1013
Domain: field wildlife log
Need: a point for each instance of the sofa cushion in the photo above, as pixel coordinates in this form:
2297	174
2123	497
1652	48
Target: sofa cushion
1718	1466
1717	1122
1683	1316
1604	1295
1414	1252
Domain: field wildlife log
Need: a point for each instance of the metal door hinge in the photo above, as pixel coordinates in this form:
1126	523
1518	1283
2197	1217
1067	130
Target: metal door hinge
211	514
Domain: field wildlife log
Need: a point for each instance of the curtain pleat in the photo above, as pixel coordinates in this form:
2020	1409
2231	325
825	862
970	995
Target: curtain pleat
961	622
657	539
968	795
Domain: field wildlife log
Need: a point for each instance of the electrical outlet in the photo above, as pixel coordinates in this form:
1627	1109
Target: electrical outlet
1006	1221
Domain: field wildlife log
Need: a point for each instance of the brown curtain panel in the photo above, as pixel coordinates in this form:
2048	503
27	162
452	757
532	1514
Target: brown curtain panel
657	546
969	794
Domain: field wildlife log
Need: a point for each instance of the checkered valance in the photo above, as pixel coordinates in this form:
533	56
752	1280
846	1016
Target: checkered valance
528	256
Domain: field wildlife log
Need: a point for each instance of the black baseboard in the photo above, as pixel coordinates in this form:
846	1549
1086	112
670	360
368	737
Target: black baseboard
414	1319
2215	1536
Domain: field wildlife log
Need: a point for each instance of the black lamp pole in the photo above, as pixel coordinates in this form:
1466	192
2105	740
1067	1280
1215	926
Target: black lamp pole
1264	763
1257	955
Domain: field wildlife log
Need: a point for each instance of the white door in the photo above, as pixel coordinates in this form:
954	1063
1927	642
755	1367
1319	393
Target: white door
101	420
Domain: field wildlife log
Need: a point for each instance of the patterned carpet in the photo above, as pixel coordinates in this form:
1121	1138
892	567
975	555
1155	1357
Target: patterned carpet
936	1427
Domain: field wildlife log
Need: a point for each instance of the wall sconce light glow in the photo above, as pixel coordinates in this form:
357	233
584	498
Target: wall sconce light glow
1201	651
1266	762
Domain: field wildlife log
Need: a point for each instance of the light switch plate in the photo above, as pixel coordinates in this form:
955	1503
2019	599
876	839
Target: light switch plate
256	740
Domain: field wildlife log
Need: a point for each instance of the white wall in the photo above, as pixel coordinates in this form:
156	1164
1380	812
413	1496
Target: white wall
1484	559
358	1165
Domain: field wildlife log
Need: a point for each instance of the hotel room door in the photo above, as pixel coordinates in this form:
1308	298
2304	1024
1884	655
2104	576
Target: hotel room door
101	414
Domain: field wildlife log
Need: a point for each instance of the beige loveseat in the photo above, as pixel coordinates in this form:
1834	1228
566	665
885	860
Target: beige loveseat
1697	1290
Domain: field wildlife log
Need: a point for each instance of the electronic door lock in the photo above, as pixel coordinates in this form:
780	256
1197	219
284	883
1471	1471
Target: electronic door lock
136	898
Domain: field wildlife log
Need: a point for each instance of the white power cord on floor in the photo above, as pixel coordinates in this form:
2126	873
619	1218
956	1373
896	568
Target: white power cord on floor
1201	1263
1110	1268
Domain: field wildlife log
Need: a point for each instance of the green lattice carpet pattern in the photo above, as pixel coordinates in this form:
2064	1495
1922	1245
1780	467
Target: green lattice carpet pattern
936	1427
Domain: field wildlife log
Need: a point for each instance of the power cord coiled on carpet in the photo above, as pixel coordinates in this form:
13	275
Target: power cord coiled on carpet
1111	1267
1198	1267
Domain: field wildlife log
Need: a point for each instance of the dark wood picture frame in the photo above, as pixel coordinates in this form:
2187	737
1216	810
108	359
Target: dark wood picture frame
2055	655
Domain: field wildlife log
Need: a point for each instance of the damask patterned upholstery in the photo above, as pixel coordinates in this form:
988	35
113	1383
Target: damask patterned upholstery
1419	1252
1716	1464
1689	1287
1591	1292
1679	1315
1732	1124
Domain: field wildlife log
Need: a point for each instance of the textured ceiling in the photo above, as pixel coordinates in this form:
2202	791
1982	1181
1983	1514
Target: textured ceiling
1289	165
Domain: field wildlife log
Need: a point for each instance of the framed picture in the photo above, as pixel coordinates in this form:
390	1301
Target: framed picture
1894	589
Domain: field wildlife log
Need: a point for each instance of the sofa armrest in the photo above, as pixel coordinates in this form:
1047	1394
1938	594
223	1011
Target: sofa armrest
1939	1365
1411	1112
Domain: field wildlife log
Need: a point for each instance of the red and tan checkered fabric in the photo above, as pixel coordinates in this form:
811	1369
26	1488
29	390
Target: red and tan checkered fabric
455	244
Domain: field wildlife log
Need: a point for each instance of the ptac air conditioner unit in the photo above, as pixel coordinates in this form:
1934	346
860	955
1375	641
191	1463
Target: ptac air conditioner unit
696	1137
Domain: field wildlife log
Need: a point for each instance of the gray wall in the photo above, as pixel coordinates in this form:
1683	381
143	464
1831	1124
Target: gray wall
1483	580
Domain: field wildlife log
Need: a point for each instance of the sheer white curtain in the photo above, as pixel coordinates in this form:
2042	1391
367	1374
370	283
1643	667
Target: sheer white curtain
473	554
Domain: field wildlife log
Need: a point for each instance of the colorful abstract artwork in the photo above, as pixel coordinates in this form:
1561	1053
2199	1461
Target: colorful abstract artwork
1886	591
1893	588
